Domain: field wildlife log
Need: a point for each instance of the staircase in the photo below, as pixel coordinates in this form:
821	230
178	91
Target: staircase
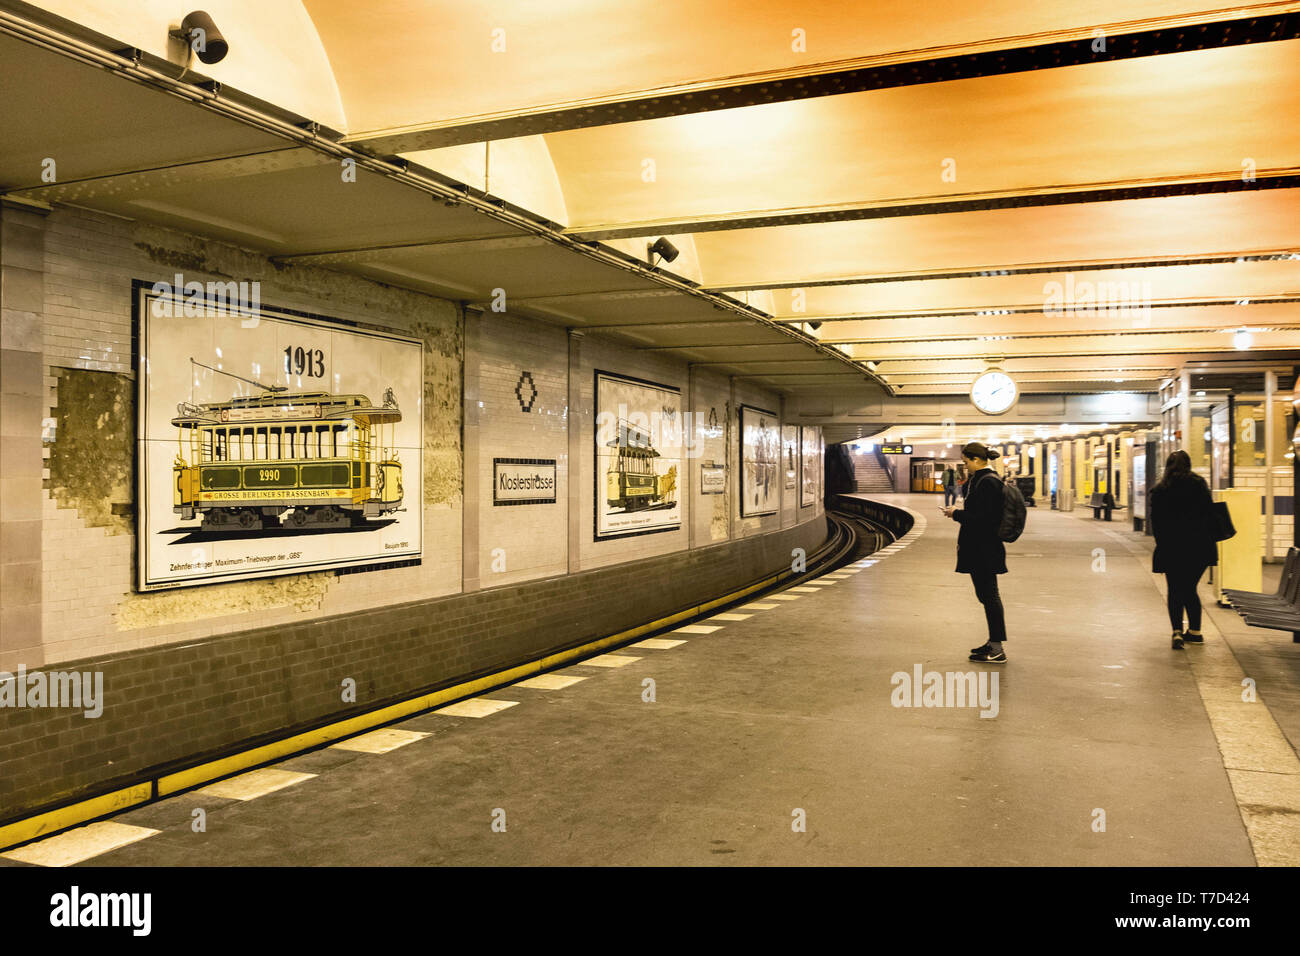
869	476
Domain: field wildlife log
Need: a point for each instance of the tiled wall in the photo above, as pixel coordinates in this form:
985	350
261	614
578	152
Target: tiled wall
89	605
69	552
21	365
522	374
1252	478
242	660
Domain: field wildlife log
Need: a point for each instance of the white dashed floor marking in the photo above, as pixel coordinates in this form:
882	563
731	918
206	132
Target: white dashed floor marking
379	741
475	707
254	784
658	644
697	629
804	589
549	681
784	597
760	607
80	844
731	617
610	660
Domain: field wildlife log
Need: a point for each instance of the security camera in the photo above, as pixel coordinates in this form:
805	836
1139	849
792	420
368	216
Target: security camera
663	248
201	34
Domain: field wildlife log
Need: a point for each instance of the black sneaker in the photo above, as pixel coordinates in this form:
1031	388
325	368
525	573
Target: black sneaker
1178	642
981	649
986	656
1193	638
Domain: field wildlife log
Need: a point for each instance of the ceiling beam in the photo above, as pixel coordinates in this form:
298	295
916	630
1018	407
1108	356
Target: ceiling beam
1067	48
1020	268
1216	182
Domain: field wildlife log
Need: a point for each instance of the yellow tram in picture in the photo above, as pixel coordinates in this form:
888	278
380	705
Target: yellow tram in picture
294	461
631	482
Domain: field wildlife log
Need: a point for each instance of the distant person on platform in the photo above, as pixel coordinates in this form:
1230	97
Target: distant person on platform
949	485
1181	520
980	552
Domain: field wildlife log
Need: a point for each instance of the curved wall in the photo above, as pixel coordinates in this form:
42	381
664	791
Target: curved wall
204	669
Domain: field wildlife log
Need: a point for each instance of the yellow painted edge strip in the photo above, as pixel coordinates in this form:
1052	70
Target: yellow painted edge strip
22	831
53	820
193	776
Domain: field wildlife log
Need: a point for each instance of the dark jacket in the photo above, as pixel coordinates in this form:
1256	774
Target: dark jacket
978	546
1182	525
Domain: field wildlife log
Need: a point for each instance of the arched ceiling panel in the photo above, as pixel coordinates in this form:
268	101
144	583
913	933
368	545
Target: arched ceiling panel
446	63
275	52
1120	123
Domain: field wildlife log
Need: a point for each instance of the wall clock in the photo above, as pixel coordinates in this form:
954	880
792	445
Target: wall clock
994	392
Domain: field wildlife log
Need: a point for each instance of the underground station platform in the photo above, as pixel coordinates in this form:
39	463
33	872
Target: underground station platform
723	440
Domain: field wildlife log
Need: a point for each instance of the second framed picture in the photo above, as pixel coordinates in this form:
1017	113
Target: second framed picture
760	459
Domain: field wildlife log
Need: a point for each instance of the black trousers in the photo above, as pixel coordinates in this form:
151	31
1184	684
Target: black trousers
1182	596
949	496
986	589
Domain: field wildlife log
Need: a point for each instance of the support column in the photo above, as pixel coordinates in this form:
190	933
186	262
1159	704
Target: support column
733	465
22	465
690	458
1270	389
470	559
1184	408
574	418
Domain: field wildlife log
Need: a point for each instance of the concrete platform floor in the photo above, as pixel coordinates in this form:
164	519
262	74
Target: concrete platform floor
788	715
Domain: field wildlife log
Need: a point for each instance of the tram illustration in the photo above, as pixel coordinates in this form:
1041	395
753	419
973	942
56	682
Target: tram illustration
631	483
286	460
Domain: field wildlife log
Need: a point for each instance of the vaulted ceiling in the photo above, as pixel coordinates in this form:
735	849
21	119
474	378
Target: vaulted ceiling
876	198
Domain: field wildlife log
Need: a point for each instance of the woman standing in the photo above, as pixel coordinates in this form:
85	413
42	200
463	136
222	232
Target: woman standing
1185	547
980	552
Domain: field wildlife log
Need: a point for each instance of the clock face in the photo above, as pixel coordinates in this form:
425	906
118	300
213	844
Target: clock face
993	392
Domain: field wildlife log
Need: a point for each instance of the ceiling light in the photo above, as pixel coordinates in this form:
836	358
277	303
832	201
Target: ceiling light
1241	339
1201	393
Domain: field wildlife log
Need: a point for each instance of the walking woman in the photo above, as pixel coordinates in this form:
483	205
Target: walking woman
980	552
1182	524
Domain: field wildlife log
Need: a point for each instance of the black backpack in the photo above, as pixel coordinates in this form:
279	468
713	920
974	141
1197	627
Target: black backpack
1013	513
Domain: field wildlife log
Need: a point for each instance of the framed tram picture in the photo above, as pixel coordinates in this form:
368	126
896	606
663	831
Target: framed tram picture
639	457
760	456
790	453
271	442
810	457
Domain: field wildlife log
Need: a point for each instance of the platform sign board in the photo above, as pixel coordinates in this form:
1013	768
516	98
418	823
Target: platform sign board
271	442
760	457
810	458
523	481
713	479
896	449
638	457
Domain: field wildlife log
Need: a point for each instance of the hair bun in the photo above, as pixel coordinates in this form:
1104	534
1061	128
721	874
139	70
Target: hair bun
994	453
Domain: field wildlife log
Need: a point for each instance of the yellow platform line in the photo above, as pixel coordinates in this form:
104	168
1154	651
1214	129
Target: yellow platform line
73	814
83	811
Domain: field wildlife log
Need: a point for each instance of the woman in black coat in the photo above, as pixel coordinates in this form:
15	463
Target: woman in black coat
980	552
1183	527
